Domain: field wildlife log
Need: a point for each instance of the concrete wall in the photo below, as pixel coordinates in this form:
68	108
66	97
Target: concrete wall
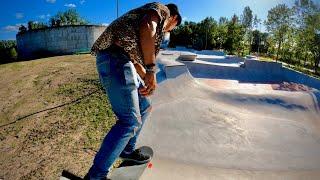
291	75
57	40
252	71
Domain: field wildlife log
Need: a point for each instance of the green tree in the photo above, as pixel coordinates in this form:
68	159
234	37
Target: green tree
223	20
259	42
221	32
177	37
36	25
279	20
207	28
69	17
308	31
8	51
13	53
247	23
234	41
22	29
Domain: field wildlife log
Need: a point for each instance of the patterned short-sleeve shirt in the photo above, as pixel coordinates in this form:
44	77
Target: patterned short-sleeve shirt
125	30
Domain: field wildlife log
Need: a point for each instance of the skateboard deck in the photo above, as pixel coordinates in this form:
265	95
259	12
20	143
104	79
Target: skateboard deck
127	170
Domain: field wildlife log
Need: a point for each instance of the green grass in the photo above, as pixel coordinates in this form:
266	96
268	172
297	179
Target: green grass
15	66
93	111
63	137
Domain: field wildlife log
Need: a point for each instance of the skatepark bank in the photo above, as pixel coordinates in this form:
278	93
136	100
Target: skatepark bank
221	118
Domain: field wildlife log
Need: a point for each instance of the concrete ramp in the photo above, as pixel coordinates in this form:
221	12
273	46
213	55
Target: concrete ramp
199	132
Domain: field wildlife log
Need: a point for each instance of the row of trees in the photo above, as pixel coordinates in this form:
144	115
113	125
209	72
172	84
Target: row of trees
69	17
235	35
8	51
293	34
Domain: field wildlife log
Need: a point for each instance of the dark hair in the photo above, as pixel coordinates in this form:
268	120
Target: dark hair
174	11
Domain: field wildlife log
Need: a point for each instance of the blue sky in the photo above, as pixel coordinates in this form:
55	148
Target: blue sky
15	12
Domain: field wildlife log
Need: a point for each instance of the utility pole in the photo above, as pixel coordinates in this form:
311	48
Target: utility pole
117	8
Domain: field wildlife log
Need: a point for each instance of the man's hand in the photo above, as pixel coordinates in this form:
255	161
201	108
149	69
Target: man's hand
150	84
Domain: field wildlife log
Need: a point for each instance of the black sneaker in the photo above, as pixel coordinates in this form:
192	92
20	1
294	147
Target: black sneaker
86	177
137	156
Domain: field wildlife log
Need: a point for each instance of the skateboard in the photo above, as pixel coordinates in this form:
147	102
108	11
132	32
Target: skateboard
127	170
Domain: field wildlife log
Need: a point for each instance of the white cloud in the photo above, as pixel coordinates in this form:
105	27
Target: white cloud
82	1
184	18
19	15
13	28
44	16
51	1
105	24
70	5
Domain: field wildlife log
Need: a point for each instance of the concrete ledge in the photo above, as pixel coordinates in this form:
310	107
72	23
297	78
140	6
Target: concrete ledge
211	52
187	56
172	68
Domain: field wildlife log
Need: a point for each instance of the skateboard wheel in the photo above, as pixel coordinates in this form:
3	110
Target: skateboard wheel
150	165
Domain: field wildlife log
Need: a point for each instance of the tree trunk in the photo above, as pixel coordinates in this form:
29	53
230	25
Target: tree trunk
250	40
278	50
305	60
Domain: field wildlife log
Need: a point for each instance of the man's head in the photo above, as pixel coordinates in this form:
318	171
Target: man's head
174	19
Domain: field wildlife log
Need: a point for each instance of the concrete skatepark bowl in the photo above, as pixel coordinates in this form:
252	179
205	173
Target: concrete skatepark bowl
214	118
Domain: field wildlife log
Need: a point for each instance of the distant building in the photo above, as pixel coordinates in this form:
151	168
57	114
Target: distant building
57	40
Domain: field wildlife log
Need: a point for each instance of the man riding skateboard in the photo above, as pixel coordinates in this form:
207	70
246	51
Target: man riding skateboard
125	57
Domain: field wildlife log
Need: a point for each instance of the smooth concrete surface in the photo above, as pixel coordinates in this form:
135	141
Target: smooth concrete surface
198	131
172	170
127	173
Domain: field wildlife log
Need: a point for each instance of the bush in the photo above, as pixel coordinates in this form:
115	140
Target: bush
13	53
8	51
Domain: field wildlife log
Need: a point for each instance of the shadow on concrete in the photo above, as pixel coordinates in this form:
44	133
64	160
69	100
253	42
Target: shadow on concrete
272	101
160	75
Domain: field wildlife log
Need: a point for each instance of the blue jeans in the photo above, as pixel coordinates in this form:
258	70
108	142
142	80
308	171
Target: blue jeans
121	82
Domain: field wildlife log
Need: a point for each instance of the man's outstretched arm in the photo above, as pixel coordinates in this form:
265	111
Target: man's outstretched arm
148	28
